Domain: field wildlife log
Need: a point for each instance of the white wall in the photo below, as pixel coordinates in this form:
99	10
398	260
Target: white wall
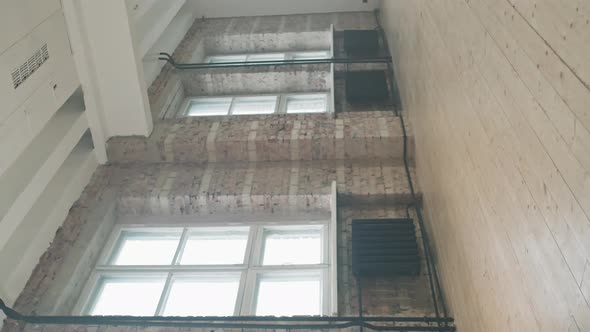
231	8
167	42
44	163
118	71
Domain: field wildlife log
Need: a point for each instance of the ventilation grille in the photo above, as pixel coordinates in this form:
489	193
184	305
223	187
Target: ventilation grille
384	247
25	70
361	42
366	87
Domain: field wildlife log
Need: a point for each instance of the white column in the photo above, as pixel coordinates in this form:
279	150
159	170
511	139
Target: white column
113	66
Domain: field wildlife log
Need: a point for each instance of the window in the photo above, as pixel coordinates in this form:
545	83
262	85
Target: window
266	57
312	55
312	103
209	106
227	58
213	271
309	55
251	105
303	291
254	105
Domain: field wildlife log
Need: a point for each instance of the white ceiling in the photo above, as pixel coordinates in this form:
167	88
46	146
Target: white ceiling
231	8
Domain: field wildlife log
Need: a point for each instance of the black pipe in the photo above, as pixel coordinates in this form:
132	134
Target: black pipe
359	296
425	240
168	58
407	170
410	328
236	321
11	313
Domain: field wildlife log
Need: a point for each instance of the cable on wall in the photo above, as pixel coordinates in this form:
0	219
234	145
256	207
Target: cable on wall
433	273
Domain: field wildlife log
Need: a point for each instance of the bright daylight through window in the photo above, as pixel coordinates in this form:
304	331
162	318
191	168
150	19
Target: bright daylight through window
262	104
220	271
230	58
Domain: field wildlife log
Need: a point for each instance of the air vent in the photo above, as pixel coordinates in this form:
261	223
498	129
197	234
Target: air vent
385	247
365	87
25	70
359	43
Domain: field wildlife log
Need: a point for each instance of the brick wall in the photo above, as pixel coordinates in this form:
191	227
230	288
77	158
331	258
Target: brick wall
254	165
251	35
169	189
351	136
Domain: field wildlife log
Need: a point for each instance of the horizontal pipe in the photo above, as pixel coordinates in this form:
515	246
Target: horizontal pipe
38	319
409	328
166	57
237	325
269	322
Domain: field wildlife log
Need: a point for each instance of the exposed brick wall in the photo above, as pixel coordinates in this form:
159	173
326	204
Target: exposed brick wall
351	136
281	187
244	35
81	214
268	33
255	80
275	165
277	188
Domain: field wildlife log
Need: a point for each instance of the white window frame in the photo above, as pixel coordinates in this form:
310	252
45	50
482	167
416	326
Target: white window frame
280	105
250	271
286	55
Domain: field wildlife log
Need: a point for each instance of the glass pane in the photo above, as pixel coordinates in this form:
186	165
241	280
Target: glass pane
292	247
315	103
227	58
310	55
267	57
254	105
145	248
203	296
209	106
215	247
284	296
128	297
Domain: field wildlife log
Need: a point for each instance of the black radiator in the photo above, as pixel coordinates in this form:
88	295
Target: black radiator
384	247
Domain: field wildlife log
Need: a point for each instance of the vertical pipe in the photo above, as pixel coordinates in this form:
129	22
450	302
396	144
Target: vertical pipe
359	291
432	272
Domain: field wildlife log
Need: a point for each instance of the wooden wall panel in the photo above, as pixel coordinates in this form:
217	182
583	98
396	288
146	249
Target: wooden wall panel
497	92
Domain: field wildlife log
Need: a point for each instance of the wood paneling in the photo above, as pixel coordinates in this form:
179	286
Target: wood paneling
498	94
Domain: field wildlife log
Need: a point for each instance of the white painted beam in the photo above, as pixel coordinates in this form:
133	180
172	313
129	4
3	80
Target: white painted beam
23	182
150	26
115	66
233	8
168	42
35	233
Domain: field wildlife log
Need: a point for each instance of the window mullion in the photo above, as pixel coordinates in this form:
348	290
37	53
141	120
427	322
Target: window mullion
164	295
248	282
111	246
180	248
278	104
251	269
231	106
239	305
